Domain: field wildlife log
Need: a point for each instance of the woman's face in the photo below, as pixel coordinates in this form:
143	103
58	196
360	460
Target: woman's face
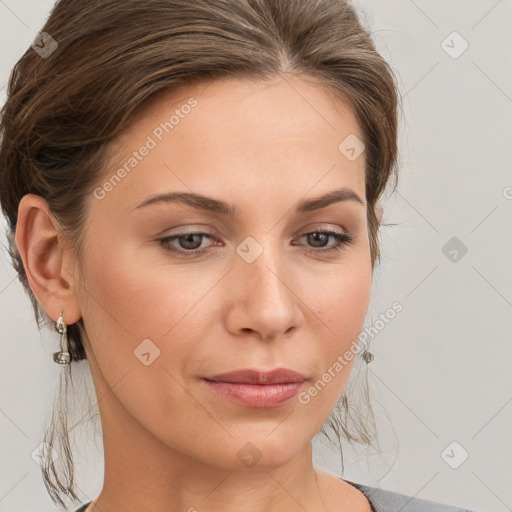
267	290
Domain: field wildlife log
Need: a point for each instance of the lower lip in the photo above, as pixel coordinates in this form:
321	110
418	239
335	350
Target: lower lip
254	395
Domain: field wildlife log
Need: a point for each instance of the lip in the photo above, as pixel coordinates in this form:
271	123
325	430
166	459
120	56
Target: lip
261	377
257	388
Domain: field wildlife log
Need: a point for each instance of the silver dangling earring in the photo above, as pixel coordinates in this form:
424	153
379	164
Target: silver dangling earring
368	357
62	357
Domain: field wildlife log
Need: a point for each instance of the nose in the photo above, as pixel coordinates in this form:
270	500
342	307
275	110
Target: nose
264	297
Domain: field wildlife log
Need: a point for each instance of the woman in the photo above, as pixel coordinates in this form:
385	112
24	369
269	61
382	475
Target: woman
192	190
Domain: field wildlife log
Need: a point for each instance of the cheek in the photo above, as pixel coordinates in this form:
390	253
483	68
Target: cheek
341	305
123	309
341	301
120	308
128	302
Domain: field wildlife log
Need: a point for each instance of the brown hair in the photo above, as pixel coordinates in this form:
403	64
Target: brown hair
62	109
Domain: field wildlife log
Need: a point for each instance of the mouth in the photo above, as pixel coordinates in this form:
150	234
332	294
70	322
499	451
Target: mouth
257	388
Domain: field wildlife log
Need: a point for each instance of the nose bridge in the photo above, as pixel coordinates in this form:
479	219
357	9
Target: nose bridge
266	277
269	302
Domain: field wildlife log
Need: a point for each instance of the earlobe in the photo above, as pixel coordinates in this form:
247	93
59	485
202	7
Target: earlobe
40	244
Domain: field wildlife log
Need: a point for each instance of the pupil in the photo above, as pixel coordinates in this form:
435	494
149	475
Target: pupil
188	238
318	237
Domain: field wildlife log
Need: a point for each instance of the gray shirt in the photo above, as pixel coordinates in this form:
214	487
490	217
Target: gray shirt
389	501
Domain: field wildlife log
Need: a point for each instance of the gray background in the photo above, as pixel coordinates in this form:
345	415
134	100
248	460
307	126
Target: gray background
441	372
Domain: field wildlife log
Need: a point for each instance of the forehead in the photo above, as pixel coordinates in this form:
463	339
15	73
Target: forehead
239	135
285	94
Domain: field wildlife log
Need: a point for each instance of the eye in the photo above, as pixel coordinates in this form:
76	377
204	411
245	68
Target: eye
189	244
318	239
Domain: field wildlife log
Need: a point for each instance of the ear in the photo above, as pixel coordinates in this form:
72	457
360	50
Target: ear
48	265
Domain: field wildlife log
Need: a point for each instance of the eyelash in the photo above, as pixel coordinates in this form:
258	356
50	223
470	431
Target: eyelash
342	240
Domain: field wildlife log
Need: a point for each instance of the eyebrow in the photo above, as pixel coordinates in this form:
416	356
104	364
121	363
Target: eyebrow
209	204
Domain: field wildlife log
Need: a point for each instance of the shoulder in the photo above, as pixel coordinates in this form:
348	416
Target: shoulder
389	501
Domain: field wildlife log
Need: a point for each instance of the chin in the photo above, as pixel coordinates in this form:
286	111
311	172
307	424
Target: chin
266	451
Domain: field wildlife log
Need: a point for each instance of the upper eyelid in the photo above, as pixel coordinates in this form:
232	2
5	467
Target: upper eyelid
216	233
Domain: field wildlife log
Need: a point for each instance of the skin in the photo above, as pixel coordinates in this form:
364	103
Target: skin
170	442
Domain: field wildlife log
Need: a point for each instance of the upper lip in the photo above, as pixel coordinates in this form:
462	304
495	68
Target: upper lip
255	376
